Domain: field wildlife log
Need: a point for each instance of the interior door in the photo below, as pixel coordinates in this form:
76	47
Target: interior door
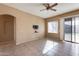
6	29
9	29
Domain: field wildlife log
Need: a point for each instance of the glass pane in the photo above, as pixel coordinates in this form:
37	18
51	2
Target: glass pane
77	29
73	29
53	27
67	29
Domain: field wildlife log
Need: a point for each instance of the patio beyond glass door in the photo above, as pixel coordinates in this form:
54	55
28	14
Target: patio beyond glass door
68	29
71	29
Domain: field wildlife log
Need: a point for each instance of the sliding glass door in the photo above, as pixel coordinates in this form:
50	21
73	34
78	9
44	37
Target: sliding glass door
77	29
68	29
71	29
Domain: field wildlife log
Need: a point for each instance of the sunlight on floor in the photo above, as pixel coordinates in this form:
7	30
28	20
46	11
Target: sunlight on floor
49	45
75	49
75	38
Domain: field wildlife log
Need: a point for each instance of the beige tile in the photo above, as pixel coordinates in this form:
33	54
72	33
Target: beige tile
41	47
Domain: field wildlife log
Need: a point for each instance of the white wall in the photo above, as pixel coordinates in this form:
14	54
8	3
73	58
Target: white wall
24	23
61	29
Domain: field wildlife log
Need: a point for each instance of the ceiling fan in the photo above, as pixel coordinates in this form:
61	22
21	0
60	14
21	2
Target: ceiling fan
49	7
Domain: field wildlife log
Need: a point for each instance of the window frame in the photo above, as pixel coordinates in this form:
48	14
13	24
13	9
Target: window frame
55	26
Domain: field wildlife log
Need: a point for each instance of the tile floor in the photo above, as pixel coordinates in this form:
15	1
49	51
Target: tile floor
41	47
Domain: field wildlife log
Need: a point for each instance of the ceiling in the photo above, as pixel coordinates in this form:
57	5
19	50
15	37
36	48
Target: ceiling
34	8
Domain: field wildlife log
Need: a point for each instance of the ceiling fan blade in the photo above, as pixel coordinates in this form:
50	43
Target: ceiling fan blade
53	9
42	9
54	5
46	5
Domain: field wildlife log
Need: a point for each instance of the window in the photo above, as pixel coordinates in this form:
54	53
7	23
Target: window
53	27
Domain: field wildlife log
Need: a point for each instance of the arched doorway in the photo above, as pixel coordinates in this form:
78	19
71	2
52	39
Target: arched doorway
6	28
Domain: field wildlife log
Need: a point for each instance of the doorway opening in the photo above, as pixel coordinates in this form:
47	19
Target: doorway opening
71	29
7	28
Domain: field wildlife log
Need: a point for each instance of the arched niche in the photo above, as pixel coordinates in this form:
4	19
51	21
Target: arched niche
7	28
